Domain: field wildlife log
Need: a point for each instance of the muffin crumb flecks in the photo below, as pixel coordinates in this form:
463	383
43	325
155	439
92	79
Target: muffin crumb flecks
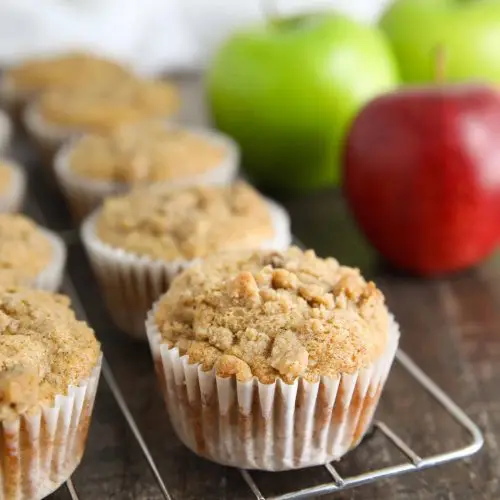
146	152
103	108
274	315
6	178
184	224
24	250
43	349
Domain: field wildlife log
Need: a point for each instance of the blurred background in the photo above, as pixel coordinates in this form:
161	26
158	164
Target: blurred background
151	35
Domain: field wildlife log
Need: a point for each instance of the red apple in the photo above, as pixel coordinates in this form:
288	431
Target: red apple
422	176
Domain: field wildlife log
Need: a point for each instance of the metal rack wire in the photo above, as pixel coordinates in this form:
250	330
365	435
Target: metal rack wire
414	461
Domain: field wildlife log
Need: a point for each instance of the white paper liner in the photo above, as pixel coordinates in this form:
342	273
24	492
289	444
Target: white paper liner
5	131
11	99
40	451
51	277
47	136
131	283
272	427
12	200
84	195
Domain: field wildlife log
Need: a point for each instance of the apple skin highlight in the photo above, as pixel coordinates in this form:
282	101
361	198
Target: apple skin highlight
422	176
469	31
287	91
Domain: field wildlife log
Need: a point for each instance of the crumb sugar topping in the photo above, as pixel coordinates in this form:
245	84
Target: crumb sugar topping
145	152
24	250
65	71
43	349
5	178
169	224
274	315
101	108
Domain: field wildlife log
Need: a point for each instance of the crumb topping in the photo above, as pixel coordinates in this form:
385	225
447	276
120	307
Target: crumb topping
43	349
24	250
274	315
145	152
101	108
171	224
5	178
76	70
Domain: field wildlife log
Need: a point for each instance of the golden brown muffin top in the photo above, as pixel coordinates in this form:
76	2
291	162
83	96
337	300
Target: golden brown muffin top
101	108
274	315
5	177
183	224
43	349
144	152
65	71
24	250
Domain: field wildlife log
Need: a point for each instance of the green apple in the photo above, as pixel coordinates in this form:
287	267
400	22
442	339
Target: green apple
287	90
467	30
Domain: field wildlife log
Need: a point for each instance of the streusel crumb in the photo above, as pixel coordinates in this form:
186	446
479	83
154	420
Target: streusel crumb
145	152
5	178
274	315
24	250
76	70
43	349
171	224
102	108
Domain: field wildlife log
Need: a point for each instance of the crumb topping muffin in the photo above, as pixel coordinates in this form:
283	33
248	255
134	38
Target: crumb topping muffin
145	152
100	108
43	349
25	250
183	224
65	71
6	178
274	315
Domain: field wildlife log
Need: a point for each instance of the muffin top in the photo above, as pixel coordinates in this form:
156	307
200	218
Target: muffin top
144	152
5	177
24	250
65	71
101	108
43	349
274	315
183	224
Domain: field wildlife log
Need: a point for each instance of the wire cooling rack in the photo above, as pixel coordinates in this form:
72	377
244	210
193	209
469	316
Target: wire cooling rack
414	462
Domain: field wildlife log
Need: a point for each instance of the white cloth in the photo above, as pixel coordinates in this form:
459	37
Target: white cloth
151	35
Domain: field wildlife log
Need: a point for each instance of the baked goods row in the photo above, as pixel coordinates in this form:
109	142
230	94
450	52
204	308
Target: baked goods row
267	356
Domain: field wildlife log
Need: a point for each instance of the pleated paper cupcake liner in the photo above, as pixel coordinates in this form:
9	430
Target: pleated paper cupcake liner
271	427
39	451
11	100
13	199
131	283
46	136
51	277
84	195
5	131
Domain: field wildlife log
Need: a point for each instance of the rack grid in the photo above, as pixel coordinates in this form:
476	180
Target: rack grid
414	462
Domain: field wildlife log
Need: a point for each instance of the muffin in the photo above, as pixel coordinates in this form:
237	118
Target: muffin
59	114
49	371
12	186
29	255
271	360
25	81
93	167
139	241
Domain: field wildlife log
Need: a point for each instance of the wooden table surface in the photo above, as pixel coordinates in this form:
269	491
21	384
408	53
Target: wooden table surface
450	327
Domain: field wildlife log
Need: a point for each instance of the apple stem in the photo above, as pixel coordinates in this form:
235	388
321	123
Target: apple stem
440	64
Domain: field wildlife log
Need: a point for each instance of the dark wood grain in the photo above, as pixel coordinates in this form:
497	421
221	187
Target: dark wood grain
451	327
